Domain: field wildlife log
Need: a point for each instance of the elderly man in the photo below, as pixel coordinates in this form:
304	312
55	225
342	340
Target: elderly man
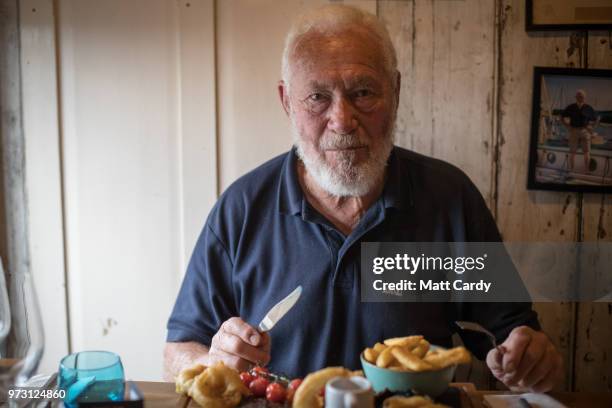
299	219
579	118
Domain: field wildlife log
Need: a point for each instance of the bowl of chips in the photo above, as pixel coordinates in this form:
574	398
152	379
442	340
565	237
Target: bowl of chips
411	364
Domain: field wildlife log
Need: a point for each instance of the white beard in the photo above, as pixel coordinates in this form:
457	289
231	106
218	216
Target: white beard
345	178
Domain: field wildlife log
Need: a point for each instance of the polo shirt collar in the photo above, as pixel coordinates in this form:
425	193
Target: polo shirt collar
398	188
290	194
396	194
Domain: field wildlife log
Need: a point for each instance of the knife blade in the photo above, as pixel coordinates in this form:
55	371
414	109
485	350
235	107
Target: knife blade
279	310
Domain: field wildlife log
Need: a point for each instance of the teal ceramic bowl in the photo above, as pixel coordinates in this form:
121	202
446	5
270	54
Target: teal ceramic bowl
432	383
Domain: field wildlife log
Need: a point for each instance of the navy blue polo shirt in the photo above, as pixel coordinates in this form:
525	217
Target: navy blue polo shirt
579	116
262	239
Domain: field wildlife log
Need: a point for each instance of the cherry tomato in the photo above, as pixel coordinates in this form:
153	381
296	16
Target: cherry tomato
290	394
276	393
258	386
258	371
246	378
295	383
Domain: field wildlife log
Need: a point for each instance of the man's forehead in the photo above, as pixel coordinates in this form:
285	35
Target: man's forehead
348	46
324	82
316	54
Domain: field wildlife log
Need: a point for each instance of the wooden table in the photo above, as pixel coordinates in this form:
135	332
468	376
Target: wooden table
162	395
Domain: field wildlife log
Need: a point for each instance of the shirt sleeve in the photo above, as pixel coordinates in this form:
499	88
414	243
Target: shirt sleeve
498	317
206	297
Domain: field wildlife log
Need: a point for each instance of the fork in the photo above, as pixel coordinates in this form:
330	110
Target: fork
471	326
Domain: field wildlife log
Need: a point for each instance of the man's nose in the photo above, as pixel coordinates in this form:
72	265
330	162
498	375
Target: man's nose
342	118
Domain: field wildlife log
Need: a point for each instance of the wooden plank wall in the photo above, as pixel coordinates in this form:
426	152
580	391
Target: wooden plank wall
593	359
445	87
523	215
466	98
467	69
3	248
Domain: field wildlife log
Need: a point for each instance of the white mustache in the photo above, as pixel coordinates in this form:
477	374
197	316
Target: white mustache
348	141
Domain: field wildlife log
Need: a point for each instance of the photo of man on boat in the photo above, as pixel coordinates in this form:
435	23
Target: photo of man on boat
574	136
579	118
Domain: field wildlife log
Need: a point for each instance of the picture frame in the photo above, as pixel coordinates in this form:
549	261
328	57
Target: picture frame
551	15
562	129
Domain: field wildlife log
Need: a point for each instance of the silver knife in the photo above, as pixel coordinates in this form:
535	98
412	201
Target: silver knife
279	310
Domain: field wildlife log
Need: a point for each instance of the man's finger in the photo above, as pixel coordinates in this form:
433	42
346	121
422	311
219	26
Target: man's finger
494	362
230	360
245	331
265	342
233	344
515	345
265	339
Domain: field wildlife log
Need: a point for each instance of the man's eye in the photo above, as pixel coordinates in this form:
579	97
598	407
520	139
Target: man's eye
316	97
362	93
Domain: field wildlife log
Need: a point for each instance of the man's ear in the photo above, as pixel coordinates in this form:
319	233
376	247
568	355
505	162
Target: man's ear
284	96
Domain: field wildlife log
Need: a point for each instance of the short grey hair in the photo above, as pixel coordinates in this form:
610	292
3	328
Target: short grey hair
333	19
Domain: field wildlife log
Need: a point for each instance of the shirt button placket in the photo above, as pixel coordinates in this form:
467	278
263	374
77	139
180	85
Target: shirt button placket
334	248
340	278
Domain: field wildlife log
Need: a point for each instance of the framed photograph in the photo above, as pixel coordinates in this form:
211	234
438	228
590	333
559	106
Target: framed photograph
571	130
568	15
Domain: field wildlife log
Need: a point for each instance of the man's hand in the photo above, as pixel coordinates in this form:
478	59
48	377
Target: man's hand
239	345
529	360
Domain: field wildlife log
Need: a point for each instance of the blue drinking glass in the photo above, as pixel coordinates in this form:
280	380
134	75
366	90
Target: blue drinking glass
91	376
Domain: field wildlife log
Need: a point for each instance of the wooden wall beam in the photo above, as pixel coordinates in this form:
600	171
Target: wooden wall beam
13	162
7	10
13	147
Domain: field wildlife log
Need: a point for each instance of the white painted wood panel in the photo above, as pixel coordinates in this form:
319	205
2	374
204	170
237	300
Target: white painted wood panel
43	174
198	122
137	88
